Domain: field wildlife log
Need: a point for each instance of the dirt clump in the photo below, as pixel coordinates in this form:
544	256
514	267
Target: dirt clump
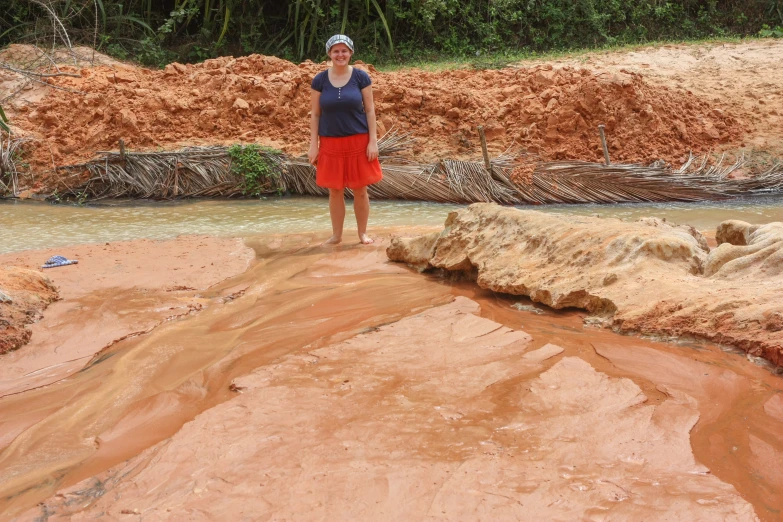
24	294
551	112
648	276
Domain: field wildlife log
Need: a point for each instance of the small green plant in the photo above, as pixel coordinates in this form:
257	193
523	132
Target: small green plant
771	32
81	197
77	198
152	54
117	51
260	174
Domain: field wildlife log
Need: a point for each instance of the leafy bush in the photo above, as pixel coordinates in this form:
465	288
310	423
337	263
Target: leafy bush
767	32
252	162
151	53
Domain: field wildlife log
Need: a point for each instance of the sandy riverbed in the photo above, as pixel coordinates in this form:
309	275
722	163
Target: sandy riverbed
117	290
328	383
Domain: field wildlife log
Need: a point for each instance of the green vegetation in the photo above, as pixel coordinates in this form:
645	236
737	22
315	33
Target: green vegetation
254	164
771	32
501	59
4	122
385	31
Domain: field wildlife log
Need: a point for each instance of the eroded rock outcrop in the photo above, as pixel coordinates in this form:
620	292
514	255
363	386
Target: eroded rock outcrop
746	250
648	276
24	294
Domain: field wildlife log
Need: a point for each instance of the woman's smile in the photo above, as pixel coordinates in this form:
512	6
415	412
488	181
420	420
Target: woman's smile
340	54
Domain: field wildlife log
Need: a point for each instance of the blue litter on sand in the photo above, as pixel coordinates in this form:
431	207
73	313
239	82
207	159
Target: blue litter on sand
58	261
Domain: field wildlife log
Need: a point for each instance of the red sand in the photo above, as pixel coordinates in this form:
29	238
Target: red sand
552	112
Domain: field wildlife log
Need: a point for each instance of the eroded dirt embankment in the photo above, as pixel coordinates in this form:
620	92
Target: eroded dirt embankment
647	276
24	294
552	112
743	78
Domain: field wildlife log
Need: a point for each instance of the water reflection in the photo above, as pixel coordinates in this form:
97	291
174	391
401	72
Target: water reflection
704	215
35	225
30	225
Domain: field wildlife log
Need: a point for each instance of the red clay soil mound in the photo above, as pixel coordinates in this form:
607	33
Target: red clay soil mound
553	112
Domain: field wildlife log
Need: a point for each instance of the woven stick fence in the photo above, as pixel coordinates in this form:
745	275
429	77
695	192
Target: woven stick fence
206	172
190	172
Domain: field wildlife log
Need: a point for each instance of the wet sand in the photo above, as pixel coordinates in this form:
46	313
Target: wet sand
737	399
117	290
328	383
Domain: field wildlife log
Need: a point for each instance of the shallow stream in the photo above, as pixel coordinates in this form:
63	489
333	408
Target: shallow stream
141	390
30	225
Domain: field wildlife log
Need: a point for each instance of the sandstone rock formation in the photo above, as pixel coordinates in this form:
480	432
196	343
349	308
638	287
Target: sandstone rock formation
745	249
24	294
648	276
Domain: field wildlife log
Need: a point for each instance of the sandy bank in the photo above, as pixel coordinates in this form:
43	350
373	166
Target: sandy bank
117	290
648	276
24	294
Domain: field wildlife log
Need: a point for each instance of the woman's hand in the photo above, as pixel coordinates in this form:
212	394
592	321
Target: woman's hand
312	154
372	150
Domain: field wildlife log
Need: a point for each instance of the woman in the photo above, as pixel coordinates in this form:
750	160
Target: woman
343	137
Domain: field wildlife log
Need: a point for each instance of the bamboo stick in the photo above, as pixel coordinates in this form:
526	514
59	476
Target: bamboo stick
603	144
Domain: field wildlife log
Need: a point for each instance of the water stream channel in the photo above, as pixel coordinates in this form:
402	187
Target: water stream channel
28	225
296	298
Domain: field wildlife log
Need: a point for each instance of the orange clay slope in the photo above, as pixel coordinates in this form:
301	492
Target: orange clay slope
553	112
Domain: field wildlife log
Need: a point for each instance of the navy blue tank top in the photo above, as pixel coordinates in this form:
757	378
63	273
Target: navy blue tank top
342	108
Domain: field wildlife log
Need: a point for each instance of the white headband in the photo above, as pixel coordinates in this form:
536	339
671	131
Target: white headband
337	39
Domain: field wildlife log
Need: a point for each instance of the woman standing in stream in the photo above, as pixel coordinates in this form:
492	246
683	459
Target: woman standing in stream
343	136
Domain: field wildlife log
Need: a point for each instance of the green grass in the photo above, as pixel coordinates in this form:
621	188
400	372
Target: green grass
497	60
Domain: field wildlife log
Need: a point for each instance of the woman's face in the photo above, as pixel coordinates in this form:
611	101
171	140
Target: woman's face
340	54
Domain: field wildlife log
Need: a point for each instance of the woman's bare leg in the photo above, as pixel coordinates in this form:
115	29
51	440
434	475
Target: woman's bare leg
337	213
361	207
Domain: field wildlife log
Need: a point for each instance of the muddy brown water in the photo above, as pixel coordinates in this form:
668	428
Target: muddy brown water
31	225
294	298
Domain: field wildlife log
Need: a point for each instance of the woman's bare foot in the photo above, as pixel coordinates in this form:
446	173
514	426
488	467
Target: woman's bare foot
334	240
364	239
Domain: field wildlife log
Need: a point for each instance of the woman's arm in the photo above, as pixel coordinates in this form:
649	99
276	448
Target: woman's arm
369	110
315	117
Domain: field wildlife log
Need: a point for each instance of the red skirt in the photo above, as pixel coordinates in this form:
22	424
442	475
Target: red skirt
342	163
